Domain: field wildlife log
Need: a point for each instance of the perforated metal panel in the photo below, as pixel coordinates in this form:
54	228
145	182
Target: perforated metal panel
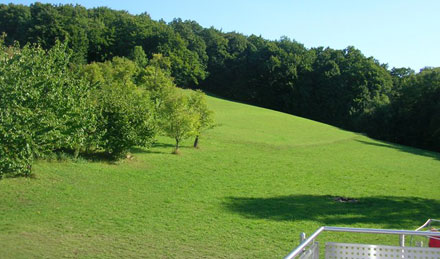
355	251
312	252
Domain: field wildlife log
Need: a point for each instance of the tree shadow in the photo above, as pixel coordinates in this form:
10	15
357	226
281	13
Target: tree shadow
30	175
235	100
101	157
89	156
163	145
141	150
391	212
150	150
411	150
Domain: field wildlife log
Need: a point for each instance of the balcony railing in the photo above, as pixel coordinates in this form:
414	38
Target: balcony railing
307	249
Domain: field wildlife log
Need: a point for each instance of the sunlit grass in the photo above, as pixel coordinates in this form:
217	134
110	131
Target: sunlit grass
258	180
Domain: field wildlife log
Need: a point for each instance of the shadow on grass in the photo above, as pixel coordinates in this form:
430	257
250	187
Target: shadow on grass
68	155
163	145
169	149
11	176
412	150
391	212
140	150
101	157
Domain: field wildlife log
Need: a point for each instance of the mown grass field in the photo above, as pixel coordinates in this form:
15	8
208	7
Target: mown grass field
258	180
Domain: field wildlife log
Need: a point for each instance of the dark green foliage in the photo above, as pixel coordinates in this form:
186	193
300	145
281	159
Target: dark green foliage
343	87
100	34
191	31
14	21
413	118
50	23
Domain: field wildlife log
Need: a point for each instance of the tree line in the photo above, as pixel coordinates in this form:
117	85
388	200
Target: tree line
340	87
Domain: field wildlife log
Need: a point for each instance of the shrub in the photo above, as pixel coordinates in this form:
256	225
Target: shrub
126	119
126	115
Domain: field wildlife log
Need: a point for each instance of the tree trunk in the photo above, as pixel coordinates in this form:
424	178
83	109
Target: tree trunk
76	153
176	149
196	142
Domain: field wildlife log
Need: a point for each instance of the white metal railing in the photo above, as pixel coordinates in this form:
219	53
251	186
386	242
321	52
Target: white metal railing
427	223
401	233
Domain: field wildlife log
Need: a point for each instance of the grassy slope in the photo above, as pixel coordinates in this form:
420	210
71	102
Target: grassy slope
260	178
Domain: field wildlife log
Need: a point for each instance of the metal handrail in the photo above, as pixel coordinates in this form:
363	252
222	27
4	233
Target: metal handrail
424	225
306	242
309	240
427	223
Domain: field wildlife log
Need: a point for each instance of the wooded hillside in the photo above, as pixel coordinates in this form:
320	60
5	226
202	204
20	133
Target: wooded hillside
339	87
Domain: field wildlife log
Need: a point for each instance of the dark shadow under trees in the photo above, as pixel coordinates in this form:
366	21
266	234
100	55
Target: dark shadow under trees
391	212
407	149
153	149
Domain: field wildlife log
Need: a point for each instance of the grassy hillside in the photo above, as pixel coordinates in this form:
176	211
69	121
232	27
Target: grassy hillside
260	178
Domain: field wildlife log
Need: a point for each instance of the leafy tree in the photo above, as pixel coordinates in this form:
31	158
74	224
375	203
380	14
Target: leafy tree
197	102
46	25
216	49
156	78
74	21
139	57
416	119
190	32
101	38
118	71
14	21
127	115
45	106
123	71
400	77
177	119
126	119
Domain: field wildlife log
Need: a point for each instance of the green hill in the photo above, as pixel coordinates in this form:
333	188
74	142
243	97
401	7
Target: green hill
259	179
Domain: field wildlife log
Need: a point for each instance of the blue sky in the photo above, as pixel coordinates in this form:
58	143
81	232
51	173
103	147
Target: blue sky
402	33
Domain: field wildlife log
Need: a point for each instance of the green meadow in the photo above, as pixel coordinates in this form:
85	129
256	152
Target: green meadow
259	178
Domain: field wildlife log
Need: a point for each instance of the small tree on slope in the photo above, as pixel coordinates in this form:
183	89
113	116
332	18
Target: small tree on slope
177	119
197	102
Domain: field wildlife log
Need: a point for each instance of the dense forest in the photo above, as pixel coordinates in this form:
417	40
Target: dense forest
340	87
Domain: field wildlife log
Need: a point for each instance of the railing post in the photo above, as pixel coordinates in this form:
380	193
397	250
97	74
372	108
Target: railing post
402	240
401	233
302	237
